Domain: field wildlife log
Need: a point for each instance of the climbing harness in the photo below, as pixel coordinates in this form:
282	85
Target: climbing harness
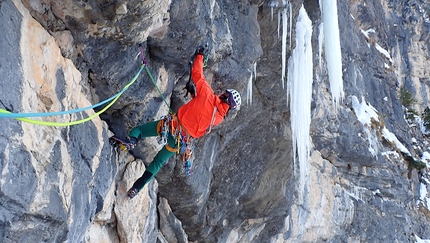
170	124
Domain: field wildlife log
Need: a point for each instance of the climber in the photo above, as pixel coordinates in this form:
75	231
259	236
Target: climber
193	120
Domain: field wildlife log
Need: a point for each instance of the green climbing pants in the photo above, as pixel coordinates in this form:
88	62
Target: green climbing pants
150	130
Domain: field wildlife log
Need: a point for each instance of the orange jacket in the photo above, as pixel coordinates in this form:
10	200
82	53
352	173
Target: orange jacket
196	115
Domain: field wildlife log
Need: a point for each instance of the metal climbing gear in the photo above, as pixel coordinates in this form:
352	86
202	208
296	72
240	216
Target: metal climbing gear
163	130
125	144
184	142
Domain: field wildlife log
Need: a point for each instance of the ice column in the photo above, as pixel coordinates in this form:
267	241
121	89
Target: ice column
320	42
285	12
249	88
299	93
272	4
332	49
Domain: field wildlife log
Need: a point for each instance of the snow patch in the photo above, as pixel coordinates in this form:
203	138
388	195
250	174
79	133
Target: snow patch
357	192
426	158
378	47
376	192
365	114
384	52
423	195
386	66
421	125
366	32
390	154
392	138
419	240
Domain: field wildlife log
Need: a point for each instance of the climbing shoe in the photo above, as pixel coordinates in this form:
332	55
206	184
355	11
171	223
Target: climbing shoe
123	143
132	192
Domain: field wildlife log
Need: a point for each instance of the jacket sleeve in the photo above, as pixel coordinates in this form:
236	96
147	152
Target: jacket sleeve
197	73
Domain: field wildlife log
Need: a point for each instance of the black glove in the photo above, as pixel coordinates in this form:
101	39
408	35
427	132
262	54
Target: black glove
190	88
203	49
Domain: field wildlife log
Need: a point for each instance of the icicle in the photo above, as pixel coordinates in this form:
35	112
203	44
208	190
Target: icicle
255	70
299	88
279	21
291	20
271	13
284	44
332	51
272	4
320	42
249	91
249	88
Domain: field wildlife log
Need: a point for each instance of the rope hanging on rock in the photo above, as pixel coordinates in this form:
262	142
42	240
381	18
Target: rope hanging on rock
23	116
113	99
152	79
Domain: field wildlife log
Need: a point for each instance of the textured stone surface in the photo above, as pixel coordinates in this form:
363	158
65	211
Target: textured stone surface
137	218
67	184
170	226
54	180
42	193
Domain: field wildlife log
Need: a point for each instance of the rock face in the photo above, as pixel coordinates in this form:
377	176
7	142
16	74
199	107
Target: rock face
363	181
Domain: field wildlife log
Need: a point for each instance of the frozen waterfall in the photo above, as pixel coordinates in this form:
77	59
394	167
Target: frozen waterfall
299	94
332	49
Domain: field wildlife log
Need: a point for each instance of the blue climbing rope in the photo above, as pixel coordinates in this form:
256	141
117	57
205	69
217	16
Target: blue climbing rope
7	114
23	115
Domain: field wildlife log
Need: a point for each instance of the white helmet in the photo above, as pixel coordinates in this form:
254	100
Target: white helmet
234	98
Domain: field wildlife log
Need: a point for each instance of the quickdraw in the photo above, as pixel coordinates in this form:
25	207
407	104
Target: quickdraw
184	143
163	130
